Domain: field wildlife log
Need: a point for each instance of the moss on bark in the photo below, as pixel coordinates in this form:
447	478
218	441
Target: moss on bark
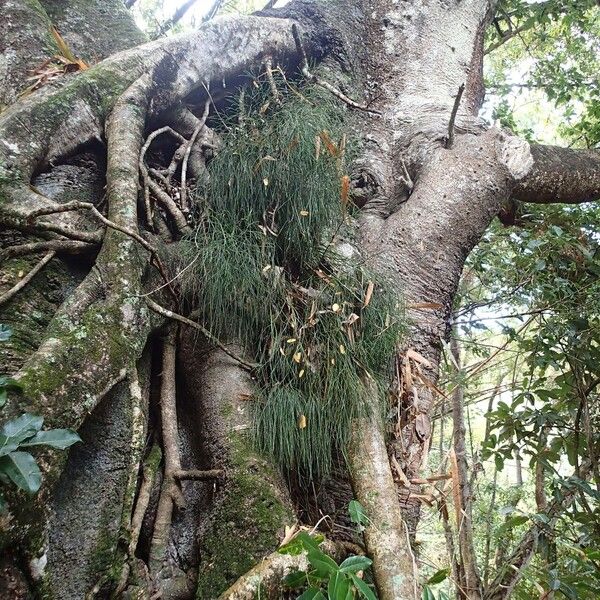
248	521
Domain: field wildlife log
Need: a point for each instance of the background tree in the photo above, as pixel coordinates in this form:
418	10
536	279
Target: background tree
342	172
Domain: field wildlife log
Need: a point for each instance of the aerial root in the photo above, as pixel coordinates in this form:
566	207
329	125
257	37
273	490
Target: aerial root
69	206
25	280
170	494
169	314
158	182
59	246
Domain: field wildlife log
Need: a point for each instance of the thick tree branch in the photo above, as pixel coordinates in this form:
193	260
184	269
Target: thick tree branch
560	175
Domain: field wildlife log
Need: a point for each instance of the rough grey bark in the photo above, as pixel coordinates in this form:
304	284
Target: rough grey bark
25	42
251	506
94	29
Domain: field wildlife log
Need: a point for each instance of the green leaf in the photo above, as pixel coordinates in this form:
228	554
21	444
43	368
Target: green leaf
301	542
353	564
512	522
8	383
438	577
322	563
13	433
294	580
5	332
338	587
364	590
22	470
357	513
427	594
55	438
312	594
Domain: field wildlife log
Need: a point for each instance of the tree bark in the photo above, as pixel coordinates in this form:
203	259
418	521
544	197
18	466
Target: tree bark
425	204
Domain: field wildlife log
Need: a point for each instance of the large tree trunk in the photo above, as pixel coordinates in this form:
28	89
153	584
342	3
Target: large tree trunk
429	179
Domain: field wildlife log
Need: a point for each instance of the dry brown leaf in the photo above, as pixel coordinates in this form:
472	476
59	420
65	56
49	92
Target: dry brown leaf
329	143
345	189
290	532
369	294
418	358
302	421
401	475
422	426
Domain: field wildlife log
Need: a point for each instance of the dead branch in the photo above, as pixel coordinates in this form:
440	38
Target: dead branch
25	280
172	315
450	137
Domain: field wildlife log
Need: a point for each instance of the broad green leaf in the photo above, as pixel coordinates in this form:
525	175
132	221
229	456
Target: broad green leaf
312	594
364	590
427	594
22	470
8	383
22	427
338	586
13	433
353	564
438	577
294	580
357	513
322	563
55	438
301	542
294	547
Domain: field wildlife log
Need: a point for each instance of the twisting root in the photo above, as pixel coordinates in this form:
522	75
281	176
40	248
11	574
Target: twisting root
144	169
21	284
186	157
66	246
170	493
69	206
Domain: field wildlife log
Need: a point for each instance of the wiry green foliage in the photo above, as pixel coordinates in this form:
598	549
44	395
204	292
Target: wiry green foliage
265	272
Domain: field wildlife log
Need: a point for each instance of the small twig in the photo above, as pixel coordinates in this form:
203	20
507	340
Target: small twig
188	151
450	138
196	475
324	84
172	315
25	280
